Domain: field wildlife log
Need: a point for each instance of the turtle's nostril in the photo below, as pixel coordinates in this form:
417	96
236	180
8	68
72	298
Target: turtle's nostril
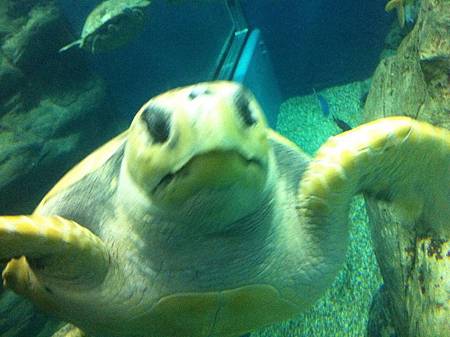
198	91
158	122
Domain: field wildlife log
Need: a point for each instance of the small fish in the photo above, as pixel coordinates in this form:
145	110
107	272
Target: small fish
322	103
410	15
341	124
363	99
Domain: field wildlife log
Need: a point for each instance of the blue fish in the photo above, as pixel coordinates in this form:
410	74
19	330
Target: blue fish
322	103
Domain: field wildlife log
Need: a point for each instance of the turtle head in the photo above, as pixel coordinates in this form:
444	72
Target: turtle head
201	148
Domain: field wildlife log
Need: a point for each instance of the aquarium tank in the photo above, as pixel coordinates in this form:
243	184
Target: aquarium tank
224	168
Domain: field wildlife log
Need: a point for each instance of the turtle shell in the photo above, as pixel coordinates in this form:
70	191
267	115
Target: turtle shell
113	24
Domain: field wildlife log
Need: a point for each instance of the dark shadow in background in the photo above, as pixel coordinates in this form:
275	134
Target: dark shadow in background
320	43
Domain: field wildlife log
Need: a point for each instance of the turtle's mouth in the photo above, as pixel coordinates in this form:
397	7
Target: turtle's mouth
215	168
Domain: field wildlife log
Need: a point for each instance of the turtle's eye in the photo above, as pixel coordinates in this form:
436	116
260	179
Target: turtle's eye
242	100
158	123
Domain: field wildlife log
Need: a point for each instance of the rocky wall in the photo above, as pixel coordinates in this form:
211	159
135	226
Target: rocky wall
51	105
414	261
53	111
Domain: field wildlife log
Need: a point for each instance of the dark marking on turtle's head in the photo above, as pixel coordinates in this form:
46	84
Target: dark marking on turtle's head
242	100
158	122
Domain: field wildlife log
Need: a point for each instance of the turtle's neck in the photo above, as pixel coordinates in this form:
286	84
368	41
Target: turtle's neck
210	211
199	239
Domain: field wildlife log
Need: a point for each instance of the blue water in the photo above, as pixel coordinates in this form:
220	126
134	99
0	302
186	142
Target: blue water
173	50
320	43
312	44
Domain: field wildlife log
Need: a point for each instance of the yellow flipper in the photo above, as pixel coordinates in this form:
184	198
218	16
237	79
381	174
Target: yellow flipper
54	248
396	159
69	330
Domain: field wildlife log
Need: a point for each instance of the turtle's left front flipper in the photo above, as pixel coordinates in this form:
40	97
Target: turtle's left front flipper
49	248
398	160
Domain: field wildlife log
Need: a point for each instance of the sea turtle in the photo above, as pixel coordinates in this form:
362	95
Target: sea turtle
111	24
201	221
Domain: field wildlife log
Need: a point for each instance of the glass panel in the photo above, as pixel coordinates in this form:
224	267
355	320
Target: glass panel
320	43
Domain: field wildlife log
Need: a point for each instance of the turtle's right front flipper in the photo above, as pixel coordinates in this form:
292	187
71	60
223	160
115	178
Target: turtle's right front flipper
55	249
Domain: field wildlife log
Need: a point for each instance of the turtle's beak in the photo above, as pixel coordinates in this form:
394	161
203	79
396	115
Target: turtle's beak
211	170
